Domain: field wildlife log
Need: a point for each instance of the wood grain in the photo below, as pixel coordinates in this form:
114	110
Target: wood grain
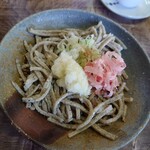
13	11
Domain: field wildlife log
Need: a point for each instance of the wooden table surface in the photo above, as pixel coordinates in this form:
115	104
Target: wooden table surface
12	11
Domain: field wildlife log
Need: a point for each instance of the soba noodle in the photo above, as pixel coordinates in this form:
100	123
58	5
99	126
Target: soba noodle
40	91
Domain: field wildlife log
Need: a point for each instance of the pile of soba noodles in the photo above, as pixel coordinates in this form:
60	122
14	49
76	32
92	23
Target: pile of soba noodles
75	78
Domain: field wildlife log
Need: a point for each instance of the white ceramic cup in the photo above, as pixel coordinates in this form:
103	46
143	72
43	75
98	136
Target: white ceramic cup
130	3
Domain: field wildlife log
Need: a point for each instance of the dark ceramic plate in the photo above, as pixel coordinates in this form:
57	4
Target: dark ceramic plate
51	136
